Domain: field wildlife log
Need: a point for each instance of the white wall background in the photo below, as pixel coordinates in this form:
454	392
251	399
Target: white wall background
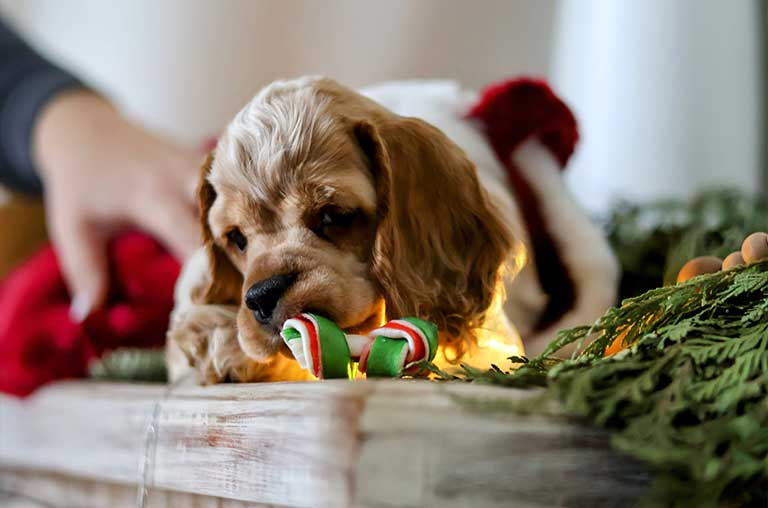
666	91
184	67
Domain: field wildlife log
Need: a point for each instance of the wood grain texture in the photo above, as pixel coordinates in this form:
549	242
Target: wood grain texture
340	443
25	489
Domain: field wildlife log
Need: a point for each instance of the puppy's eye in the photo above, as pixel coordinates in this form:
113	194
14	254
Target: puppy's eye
332	217
236	238
334	220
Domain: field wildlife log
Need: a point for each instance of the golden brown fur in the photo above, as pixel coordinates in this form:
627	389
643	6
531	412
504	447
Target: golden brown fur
424	239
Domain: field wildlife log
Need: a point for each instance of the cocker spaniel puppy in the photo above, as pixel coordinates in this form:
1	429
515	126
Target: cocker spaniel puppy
318	198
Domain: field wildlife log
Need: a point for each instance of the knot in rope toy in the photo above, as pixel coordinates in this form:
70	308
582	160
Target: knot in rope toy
322	348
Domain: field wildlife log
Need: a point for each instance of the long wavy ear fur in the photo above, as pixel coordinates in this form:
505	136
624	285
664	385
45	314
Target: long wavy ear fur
440	246
225	281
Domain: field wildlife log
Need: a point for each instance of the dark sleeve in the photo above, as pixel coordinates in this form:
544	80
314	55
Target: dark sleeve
27	83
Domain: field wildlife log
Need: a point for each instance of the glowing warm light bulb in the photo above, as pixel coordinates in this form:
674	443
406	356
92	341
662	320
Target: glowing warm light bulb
497	340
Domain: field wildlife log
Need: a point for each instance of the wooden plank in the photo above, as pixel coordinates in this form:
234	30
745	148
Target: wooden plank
14	501
89	430
457	452
249	442
45	490
368	443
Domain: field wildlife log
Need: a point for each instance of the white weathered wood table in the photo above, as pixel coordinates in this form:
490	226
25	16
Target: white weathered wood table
367	443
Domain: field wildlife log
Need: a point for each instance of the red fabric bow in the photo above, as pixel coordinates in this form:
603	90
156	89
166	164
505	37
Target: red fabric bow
39	343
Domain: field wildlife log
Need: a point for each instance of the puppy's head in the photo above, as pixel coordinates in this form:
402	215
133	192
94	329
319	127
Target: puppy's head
318	199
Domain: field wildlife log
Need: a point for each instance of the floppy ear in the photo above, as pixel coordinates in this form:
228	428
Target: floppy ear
225	281
439	246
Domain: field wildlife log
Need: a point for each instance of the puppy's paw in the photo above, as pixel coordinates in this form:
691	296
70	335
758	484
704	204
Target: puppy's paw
202	338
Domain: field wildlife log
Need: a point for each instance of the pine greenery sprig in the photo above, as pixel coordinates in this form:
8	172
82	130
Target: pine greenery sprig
687	395
653	240
130	364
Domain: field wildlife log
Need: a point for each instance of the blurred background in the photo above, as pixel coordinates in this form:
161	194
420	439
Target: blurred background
668	93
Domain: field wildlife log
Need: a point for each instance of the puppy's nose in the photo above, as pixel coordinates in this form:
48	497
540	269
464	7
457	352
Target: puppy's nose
263	296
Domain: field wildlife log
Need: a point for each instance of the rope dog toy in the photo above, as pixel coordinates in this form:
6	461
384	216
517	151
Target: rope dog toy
322	348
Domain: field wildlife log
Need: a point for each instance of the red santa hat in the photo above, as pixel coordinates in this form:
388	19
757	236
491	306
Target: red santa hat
566	248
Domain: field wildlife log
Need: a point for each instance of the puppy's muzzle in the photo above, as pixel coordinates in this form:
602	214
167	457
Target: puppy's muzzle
263	296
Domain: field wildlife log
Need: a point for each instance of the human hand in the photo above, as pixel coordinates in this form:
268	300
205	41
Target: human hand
102	173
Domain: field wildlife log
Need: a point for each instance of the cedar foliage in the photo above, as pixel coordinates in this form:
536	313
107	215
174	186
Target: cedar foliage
130	364
687	395
654	240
